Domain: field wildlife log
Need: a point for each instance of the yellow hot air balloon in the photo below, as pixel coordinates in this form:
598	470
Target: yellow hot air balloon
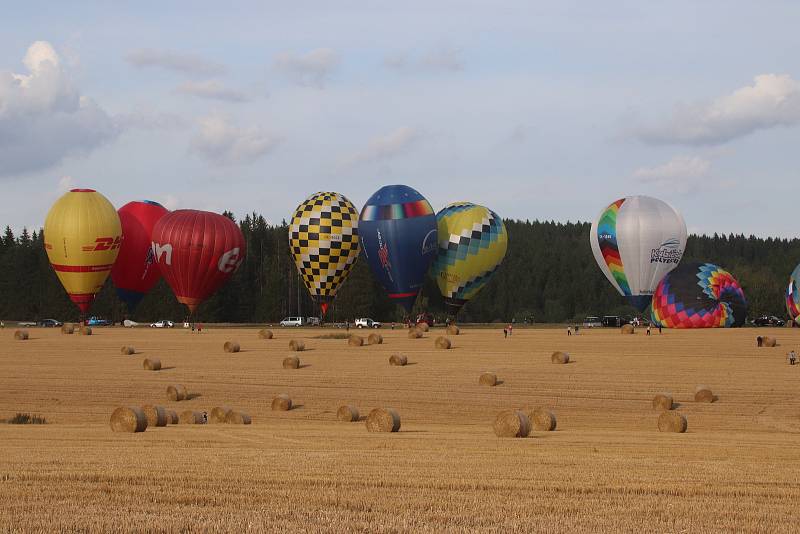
323	238
472	244
82	236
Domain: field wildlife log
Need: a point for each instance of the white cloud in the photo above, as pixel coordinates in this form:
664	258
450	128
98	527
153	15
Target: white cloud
439	59
311	69
174	61
681	173
223	143
44	118
773	100
148	119
385	146
212	89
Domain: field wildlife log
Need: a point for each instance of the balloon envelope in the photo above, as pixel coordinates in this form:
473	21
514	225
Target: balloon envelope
699	295
793	296
397	230
324	242
135	272
197	252
472	244
636	241
82	237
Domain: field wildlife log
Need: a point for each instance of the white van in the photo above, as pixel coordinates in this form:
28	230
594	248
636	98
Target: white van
292	321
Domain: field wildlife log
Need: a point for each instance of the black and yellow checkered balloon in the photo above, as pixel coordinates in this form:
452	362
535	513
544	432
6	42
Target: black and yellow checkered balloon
323	237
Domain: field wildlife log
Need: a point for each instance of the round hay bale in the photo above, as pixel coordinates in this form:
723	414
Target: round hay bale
265	334
172	417
347	413
177	393
127	350
375	339
21	335
85	331
453	330
512	424
237	418
297	346
559	357
354	340
488	379
662	401
67	328
291	362
703	394
219	414
383	420
398	359
627	329
414	333
191	417
282	403
770	341
542	419
423	327
128	419
152	364
231	346
156	415
672	422
442	343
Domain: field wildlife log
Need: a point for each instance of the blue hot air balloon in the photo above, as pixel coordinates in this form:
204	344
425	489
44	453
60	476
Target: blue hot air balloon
398	236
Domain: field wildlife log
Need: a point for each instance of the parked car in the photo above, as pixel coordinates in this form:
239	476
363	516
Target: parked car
97	321
313	321
769	320
615	320
50	323
26	324
292	321
162	324
366	322
592	322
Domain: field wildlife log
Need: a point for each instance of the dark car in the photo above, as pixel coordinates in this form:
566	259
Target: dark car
50	323
769	320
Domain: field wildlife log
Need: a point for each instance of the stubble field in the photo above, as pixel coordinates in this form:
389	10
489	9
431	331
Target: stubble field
606	467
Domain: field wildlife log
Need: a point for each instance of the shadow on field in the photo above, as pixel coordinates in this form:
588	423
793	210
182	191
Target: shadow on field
192	396
304	365
499	382
167	368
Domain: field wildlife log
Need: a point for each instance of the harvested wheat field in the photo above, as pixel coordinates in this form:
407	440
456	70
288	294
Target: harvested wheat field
605	468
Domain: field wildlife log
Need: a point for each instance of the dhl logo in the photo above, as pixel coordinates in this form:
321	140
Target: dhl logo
103	243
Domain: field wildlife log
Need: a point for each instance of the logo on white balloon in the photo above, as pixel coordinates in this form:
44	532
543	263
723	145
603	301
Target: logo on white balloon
229	261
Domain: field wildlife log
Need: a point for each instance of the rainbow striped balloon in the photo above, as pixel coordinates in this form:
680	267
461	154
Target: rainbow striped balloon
636	241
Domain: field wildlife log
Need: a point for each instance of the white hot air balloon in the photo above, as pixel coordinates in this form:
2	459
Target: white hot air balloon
636	241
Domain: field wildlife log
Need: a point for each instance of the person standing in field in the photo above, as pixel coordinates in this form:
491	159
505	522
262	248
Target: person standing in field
569	330
792	357
510	329
648	330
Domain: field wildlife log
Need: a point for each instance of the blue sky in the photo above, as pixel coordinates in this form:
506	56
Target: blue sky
537	110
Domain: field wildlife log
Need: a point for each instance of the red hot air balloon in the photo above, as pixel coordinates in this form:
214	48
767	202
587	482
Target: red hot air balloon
135	272
197	252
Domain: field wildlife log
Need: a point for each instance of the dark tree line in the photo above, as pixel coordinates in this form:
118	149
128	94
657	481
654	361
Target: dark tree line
549	275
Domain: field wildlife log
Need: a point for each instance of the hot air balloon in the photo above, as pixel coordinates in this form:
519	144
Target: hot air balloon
82	236
397	229
197	252
793	296
472	244
636	241
699	295
323	238
135	272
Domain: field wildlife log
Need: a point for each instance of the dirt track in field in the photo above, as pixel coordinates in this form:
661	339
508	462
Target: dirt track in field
605	468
